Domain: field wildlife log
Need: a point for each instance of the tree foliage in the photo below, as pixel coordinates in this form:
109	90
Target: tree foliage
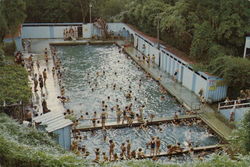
235	71
12	14
241	139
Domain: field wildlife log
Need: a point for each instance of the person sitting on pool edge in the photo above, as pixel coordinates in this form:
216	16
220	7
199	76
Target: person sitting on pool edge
140	154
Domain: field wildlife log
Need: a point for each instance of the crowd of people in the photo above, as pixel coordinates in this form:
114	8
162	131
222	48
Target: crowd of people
70	32
126	151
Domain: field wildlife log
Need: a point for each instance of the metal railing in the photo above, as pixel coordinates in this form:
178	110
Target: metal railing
234	104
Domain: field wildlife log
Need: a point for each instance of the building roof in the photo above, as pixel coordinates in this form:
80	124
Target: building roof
58	124
53	121
168	48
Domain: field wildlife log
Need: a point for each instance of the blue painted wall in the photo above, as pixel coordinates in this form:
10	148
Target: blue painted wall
64	137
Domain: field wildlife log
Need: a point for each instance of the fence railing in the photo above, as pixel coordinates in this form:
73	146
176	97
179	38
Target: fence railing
234	104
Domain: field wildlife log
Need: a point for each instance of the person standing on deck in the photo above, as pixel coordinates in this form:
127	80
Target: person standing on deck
46	55
41	82
94	119
44	76
152	146
128	149
35	83
103	118
141	112
118	115
158	144
123	149
38	64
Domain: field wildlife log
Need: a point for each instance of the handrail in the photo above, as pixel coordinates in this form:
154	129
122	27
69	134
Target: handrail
234	104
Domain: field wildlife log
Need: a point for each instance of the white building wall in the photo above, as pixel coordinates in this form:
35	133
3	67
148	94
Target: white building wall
188	78
36	32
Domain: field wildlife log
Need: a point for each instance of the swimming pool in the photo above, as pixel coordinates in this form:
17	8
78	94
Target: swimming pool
89	75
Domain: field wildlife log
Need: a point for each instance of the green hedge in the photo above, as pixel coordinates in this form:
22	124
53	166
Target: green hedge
14	86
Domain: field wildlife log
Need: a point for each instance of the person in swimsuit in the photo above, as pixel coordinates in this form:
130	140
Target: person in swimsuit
44	76
128	149
158	144
152	146
123	150
111	149
97	154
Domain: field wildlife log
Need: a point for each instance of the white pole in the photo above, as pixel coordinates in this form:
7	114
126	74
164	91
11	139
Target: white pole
90	19
158	31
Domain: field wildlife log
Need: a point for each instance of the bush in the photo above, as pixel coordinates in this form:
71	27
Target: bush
14	85
1	57
241	139
9	48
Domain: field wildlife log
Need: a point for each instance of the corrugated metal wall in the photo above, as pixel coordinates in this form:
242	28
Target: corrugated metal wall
64	137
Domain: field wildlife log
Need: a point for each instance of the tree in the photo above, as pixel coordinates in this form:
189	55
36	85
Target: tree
241	138
14	14
235	71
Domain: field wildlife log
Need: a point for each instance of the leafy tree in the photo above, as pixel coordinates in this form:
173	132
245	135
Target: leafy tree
202	40
235	71
241	138
14	14
3	24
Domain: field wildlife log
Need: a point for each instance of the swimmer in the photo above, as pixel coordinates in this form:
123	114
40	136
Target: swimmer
158	144
133	154
162	97
111	149
128	148
152	117
97	154
123	150
105	158
115	157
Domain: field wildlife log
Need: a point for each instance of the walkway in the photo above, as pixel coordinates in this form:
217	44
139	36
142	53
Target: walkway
155	121
182	94
186	151
51	90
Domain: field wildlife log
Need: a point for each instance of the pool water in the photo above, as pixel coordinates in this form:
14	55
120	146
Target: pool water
170	134
78	61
